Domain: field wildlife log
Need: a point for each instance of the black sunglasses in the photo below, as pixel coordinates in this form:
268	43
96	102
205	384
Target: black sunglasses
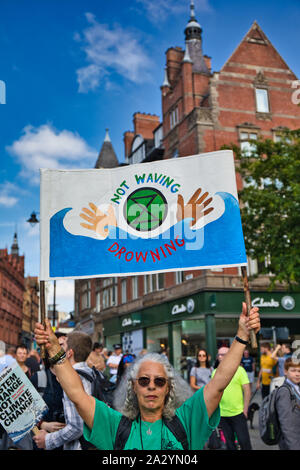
158	381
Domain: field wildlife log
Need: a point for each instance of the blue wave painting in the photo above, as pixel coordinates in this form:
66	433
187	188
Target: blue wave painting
218	243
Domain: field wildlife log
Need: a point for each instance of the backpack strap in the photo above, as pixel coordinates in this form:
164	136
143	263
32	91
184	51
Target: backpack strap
49	380
176	428
174	425
123	432
85	375
292	395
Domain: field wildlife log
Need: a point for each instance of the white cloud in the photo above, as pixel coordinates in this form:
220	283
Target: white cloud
111	50
160	10
88	78
46	147
7	194
64	294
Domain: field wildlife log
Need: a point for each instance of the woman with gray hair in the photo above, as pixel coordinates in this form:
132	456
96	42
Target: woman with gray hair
125	399
151	396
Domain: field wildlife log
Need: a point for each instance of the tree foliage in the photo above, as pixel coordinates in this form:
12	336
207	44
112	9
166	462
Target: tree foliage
270	205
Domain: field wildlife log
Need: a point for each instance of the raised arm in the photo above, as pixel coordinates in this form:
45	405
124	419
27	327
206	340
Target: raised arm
66	374
213	391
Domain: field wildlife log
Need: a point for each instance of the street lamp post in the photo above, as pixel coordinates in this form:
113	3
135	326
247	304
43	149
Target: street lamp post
33	220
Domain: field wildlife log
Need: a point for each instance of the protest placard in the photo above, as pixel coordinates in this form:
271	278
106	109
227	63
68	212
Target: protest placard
167	215
21	406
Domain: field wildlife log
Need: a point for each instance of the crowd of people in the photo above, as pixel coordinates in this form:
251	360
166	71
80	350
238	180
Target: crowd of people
149	394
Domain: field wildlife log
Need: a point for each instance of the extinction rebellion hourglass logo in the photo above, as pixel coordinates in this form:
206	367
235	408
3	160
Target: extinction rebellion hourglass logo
145	209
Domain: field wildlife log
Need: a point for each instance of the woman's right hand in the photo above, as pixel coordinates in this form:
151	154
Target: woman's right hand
45	336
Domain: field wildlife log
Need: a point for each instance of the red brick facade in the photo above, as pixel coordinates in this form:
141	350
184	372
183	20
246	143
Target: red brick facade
213	108
202	111
11	297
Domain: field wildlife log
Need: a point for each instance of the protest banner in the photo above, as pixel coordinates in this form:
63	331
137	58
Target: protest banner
21	406
176	214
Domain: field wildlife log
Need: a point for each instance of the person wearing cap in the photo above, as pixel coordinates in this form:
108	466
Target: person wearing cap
114	361
126	360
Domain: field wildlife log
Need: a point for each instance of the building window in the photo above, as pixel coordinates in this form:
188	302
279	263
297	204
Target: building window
109	292
262	265
147	284
138	150
255	267
86	295
280	136
123	291
252	268
134	281
179	278
153	282
98	296
160	281
158	136
262	100
174	117
246	146
98	302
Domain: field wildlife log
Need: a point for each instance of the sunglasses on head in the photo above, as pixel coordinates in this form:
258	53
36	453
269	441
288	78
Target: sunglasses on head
158	381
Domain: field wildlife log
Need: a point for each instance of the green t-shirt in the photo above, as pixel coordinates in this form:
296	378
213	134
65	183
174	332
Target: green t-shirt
192	414
232	401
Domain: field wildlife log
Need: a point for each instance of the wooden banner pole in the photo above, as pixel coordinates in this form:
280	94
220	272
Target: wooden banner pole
43	313
253	339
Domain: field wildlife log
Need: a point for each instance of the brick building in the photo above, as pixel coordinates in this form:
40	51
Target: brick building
202	110
12	287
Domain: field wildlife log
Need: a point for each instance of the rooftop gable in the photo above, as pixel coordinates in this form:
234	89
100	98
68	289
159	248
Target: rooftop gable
256	50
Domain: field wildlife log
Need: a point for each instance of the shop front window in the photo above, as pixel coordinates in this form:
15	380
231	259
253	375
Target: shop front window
111	340
188	337
157	338
225	331
192	339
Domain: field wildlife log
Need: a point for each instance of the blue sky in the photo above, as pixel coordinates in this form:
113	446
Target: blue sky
73	68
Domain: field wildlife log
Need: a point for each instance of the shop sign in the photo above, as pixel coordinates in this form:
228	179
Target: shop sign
287	302
87	327
189	307
130	322
261	302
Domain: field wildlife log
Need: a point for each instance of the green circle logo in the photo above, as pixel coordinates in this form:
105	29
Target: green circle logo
145	209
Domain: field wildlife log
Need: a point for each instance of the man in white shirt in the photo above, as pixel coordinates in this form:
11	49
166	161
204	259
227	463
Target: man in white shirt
113	361
78	347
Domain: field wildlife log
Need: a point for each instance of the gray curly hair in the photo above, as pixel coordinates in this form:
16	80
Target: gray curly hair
125	400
